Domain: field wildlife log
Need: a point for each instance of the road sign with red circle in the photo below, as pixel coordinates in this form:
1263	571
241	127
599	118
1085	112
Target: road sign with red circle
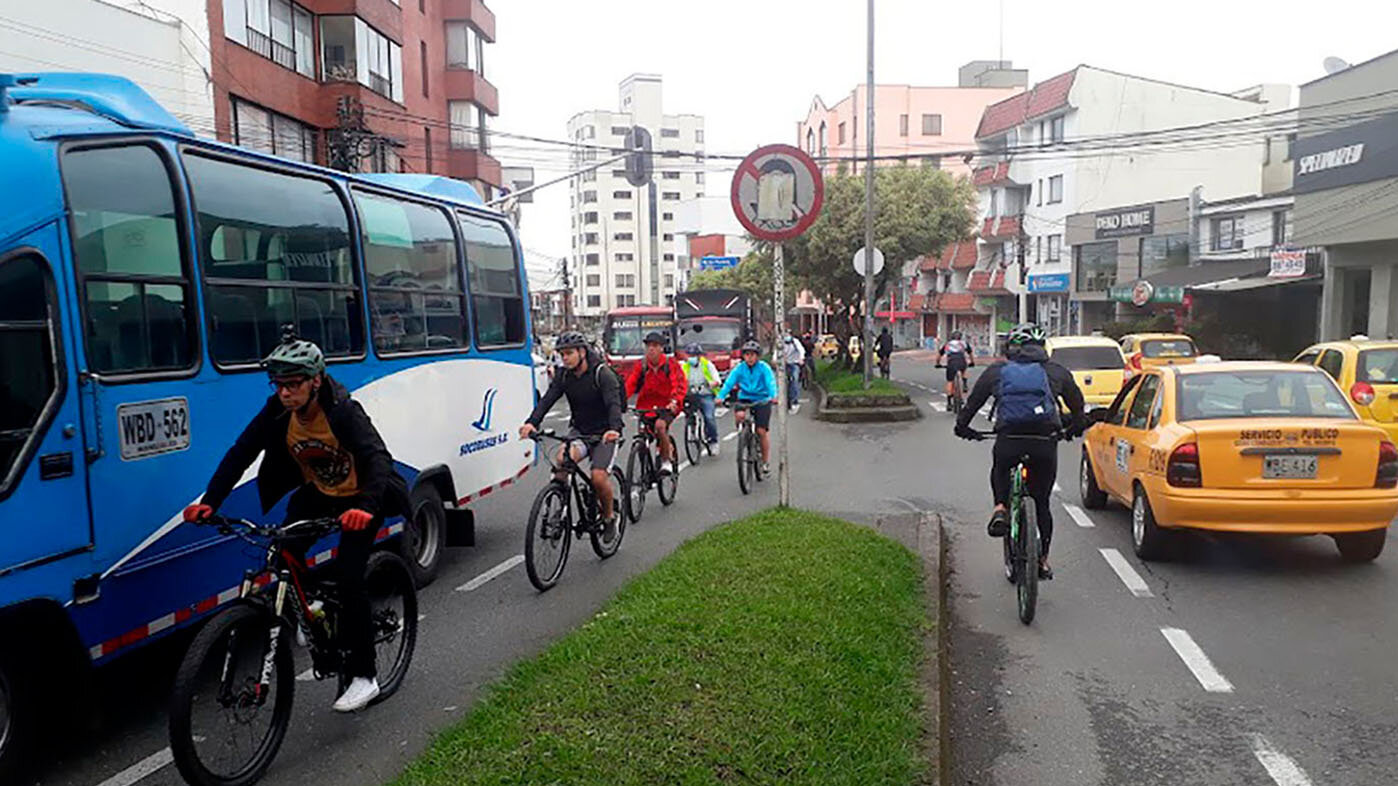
777	192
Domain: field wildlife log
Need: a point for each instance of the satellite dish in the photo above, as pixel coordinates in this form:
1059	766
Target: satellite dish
1334	65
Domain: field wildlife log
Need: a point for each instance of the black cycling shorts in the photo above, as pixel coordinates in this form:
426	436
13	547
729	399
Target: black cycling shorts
761	415
955	364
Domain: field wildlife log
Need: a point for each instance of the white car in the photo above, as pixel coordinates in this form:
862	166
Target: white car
543	373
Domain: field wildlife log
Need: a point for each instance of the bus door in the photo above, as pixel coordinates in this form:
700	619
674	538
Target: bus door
43	492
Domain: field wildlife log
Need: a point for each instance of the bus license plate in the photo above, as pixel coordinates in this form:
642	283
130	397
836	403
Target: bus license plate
1288	467
149	428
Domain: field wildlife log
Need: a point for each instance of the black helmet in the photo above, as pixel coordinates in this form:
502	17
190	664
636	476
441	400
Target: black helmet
752	346
956	335
570	340
654	337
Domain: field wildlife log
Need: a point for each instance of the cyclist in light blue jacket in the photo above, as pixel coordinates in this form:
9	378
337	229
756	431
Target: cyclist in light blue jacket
756	385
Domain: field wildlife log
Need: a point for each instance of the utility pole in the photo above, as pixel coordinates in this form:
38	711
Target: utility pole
351	141
864	352
567	295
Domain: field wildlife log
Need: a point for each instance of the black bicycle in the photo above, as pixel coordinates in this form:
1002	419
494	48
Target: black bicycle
1021	545
749	448
232	698
695	445
957	400
643	466
568	506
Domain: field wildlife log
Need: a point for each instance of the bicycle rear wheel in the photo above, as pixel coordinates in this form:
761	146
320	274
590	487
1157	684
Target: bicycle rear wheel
225	730
693	438
548	536
1027	588
393	615
668	485
605	548
745	465
640	468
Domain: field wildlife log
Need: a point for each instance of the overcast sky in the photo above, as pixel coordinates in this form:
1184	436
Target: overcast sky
751	67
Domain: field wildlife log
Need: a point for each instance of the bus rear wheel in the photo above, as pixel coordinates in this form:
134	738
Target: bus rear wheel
424	534
18	714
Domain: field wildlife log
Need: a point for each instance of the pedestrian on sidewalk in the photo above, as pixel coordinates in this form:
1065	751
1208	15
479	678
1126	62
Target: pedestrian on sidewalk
794	356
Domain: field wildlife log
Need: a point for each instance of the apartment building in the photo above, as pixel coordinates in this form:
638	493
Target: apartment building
623	236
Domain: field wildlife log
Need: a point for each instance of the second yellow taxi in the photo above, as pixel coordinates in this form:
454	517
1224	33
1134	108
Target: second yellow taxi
1244	446
1096	362
1367	371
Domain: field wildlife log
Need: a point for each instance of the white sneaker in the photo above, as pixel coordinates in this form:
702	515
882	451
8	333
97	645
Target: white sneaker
766	468
713	448
795	409
360	692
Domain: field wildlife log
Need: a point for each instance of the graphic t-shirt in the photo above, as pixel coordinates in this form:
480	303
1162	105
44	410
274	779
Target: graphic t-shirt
322	460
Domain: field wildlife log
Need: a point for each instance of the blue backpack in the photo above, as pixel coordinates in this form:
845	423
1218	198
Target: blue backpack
1025	397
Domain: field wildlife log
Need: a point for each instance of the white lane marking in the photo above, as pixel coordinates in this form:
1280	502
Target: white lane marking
422	616
147	766
1277	764
937	406
481	580
1126	573
1193	656
730	435
720	411
1057	489
1079	515
306	676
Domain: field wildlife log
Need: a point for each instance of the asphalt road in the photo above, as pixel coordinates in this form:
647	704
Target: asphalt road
1248	660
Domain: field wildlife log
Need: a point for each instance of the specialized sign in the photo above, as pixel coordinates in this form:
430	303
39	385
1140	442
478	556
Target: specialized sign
1125	223
149	428
777	192
1288	262
1048	282
1353	154
1142	293
717	263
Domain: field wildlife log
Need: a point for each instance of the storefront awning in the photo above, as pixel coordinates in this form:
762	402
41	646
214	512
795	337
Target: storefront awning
1193	276
1253	282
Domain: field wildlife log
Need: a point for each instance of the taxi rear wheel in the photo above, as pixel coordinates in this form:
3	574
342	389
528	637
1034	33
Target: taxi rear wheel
1093	497
1361	546
1149	540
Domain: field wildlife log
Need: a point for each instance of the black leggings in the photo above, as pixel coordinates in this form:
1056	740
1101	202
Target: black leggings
356	625
1042	461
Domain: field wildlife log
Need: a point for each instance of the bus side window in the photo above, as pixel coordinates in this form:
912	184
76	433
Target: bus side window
416	301
127	242
497	297
275	249
27	378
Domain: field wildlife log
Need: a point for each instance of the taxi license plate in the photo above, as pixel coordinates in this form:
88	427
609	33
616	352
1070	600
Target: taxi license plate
1288	467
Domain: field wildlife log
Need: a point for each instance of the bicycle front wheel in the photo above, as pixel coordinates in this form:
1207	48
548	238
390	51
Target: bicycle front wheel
746	467
640	468
548	536
1027	588
225	727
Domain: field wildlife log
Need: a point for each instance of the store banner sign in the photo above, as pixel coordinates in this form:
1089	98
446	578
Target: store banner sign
1354	154
1049	282
1142	293
1288	263
1125	223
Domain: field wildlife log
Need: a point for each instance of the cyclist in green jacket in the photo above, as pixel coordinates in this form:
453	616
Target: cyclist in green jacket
702	377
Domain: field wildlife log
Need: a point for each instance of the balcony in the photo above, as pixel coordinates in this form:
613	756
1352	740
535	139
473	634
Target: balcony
473	11
473	165
463	85
992	175
1006	227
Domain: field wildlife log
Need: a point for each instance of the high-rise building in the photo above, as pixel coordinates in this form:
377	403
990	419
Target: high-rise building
623	236
285	70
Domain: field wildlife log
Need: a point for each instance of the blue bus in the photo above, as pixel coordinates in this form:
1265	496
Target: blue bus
143	274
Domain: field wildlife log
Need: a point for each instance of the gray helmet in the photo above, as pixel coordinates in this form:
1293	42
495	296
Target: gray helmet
752	346
570	340
694	349
295	356
1027	333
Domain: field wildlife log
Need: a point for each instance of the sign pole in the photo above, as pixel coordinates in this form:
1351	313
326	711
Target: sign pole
865	354
779	295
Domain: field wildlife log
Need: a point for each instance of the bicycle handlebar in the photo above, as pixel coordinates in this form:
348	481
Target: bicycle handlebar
588	439
301	528
1060	435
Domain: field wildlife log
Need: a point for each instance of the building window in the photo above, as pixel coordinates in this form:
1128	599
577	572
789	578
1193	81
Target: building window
1038	249
594	279
422	50
28	368
589	196
619	130
840	134
465	47
1227	233
275	249
416	301
1161	252
668	258
699	136
1039	191
626	280
259	129
669	280
594	301
1056	130
622	236
497	299
699	178
671	195
590	238
1055	247
670	133
667	216
902	125
427	147
1096	266
621	195
624	257
931	125
593	260
352	51
668	236
589	218
467	126
590	176
810	141
1055	189
621	215
1281	227
670	175
621	173
130	261
279	30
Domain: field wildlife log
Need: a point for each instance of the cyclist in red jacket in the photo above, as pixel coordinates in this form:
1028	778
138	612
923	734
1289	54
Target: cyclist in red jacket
661	385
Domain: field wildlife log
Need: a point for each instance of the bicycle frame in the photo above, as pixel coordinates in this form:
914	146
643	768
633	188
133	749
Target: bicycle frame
579	482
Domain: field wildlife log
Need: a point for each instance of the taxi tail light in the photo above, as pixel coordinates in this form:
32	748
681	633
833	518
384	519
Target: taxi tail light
1387	475
1183	468
1133	366
1362	393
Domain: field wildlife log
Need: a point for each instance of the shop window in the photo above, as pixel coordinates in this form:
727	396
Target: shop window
28	367
275	250
416	301
497	298
127	242
1227	234
1162	252
1096	266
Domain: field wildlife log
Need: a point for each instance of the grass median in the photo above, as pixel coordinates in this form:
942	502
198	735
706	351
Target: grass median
838	380
783	647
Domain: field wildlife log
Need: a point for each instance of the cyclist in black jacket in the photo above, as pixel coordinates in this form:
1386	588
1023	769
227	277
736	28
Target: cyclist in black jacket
1026	346
594	397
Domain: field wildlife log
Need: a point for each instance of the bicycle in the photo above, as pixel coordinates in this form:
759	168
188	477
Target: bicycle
1021	544
241	666
885	365
642	466
956	400
749	448
552	519
695	446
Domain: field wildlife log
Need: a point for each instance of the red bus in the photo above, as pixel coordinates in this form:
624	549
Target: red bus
623	336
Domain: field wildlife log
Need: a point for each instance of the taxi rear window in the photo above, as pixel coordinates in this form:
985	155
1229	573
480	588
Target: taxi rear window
1379	366
1259	394
1087	358
1168	348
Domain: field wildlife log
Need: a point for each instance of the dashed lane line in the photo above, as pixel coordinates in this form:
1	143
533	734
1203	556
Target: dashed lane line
730	435
141	769
1126	573
1277	764
1193	656
937	406
1079	515
481	580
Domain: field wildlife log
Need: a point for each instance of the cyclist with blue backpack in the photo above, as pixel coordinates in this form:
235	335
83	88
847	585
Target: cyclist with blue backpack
1027	389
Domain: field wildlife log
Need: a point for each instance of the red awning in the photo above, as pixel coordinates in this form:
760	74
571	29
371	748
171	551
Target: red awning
895	314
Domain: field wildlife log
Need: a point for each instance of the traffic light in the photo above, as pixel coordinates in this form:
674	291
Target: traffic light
639	162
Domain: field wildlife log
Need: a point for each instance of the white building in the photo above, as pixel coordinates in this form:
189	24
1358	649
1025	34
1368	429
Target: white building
623	237
161	45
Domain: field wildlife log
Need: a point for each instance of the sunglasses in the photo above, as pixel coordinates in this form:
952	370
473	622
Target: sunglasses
290	383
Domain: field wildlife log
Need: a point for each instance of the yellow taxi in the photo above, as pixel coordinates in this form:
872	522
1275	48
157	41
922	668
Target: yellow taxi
828	346
1367	372
1097	364
1147	350
1243	446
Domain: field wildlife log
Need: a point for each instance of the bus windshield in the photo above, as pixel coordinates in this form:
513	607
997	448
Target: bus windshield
714	335
626	335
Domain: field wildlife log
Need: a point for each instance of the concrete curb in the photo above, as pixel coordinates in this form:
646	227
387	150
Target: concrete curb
862	414
936	667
